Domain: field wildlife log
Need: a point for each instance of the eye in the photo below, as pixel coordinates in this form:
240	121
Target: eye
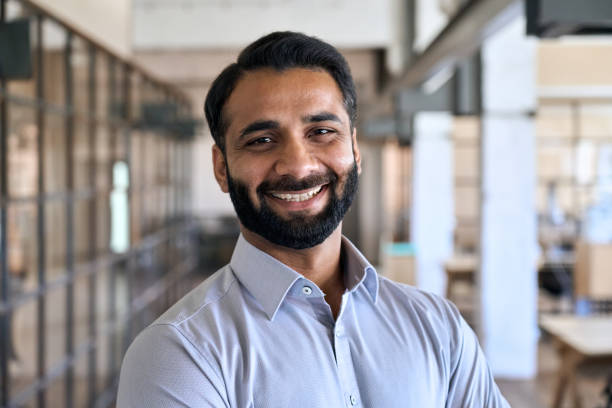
259	141
322	132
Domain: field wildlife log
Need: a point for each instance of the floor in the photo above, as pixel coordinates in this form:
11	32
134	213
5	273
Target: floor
538	392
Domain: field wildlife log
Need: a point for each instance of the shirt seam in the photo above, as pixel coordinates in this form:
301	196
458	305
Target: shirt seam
182	334
178	323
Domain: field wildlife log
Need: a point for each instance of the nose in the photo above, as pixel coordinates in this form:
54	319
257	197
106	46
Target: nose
296	159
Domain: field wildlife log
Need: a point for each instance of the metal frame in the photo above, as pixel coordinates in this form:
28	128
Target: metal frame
5	334
169	240
465	32
92	293
40	213
555	18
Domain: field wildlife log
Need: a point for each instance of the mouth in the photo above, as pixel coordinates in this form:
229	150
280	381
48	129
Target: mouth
297	196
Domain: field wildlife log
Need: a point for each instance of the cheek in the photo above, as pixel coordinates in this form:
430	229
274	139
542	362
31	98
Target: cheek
342	162
250	180
254	197
347	163
343	174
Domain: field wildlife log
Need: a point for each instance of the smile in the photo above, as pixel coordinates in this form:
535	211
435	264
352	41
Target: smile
298	197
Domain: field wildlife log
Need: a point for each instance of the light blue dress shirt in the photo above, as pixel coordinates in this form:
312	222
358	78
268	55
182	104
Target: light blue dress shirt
258	334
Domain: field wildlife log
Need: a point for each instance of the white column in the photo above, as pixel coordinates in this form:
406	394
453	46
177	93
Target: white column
432	208
370	206
508	281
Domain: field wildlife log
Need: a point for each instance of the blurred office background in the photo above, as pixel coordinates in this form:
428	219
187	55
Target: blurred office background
486	133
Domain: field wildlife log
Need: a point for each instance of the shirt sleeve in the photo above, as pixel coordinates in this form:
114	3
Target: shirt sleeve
162	369
471	380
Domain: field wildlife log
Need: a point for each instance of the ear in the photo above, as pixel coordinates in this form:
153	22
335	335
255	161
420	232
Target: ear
356	152
220	168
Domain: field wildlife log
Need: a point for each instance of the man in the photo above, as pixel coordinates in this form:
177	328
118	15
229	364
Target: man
299	318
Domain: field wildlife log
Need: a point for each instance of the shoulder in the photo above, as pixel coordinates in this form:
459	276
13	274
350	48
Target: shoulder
195	324
173	329
206	295
180	342
163	368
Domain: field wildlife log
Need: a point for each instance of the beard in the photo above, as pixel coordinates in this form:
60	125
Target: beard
299	231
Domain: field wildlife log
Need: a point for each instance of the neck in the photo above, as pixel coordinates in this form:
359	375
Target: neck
320	264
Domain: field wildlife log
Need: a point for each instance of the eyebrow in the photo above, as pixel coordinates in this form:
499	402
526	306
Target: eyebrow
257	126
321	117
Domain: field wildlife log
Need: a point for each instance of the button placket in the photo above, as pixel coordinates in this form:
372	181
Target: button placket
344	363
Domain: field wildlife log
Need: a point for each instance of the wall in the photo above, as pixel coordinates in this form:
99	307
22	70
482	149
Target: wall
232	24
430	20
95	17
561	63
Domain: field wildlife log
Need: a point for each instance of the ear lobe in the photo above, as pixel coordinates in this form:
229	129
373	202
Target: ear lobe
356	152
220	168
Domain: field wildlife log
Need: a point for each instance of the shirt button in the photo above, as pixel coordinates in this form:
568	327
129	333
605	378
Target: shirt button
307	290
339	332
353	400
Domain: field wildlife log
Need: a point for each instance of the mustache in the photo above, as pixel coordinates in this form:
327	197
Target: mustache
290	183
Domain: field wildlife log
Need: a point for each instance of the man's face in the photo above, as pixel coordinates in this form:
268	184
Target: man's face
291	163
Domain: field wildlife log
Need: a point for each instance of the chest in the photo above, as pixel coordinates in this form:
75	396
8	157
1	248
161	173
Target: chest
299	361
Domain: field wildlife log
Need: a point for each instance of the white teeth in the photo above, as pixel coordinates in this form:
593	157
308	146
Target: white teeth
298	197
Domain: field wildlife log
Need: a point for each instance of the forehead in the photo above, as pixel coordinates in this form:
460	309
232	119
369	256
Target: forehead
270	94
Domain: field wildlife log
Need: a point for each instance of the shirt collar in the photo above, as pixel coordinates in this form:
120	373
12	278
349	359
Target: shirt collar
269	281
359	270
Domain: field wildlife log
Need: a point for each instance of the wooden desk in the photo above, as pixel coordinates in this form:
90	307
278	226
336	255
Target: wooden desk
578	339
460	267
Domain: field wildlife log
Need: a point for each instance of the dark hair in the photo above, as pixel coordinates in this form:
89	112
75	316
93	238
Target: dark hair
280	51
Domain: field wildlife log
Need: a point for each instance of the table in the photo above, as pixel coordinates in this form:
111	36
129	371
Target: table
579	339
460	267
